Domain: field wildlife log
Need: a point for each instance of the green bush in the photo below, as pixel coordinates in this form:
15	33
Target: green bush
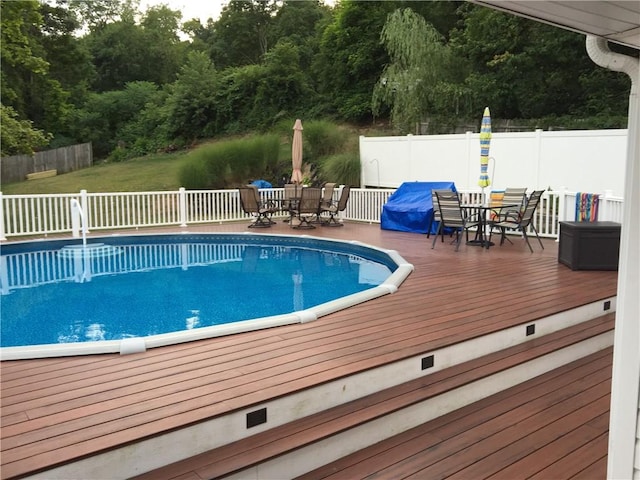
231	163
322	138
193	174
342	168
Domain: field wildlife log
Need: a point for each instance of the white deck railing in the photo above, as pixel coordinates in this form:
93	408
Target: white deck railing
27	215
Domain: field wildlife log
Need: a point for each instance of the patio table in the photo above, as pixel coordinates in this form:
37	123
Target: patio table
482	210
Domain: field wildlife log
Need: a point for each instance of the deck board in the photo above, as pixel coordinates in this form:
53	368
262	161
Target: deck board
537	429
88	404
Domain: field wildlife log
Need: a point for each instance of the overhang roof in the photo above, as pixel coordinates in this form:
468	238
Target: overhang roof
616	21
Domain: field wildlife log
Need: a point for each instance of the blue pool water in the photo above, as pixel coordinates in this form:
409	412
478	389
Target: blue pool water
140	286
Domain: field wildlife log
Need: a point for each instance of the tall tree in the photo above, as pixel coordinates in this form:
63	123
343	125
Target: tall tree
300	24
124	51
524	69
95	14
351	57
37	101
283	89
192	99
20	63
419	63
68	58
240	36
164	49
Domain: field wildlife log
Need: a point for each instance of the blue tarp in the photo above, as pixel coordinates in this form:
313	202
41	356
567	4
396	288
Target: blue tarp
261	184
410	209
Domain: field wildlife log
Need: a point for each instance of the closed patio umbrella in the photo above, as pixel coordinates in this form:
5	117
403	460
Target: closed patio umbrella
296	153
485	140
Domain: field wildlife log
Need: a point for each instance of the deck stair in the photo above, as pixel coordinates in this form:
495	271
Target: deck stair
307	443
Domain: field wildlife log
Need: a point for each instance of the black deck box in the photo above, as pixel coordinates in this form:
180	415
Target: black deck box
589	245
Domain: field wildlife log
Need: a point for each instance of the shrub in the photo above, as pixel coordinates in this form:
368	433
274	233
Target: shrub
322	138
193	175
342	168
231	163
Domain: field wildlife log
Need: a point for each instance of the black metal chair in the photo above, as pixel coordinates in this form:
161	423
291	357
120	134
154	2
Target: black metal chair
251	204
334	208
453	216
520	221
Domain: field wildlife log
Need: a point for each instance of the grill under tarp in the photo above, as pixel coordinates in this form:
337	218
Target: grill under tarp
410	209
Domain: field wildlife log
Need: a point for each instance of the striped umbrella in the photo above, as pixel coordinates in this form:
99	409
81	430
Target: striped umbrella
485	140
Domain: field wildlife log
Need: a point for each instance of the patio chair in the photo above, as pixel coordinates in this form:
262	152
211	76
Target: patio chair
436	213
251	204
290	198
520	221
511	196
453	216
327	194
307	208
334	208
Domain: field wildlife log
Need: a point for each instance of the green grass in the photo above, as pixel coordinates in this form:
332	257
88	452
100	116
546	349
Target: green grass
145	174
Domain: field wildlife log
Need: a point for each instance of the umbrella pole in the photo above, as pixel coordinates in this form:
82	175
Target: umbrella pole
493	170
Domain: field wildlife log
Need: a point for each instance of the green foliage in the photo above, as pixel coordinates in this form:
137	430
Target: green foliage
229	163
26	84
418	60
351	57
124	51
17	45
107	115
266	62
283	87
322	138
192	98
343	168
529	69
194	174
241	33
18	136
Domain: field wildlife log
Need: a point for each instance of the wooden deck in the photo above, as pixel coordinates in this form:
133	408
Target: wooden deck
55	411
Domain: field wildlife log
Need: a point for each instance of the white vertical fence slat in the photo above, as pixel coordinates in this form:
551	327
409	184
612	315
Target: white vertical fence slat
24	215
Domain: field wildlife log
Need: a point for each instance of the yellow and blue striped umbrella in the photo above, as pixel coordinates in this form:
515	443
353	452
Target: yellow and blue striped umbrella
485	140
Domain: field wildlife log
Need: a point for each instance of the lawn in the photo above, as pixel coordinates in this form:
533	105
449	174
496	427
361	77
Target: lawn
145	174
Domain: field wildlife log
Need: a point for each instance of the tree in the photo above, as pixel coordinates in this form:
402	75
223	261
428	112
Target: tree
18	136
192	97
106	115
68	58
525	69
164	50
283	89
95	14
240	36
419	63
299	23
19	62
351	57
124	51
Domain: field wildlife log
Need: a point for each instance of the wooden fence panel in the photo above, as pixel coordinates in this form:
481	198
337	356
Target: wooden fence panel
65	159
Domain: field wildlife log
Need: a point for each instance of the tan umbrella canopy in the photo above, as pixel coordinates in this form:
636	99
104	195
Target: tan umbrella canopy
296	153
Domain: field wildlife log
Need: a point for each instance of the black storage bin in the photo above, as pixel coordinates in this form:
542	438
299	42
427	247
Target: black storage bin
589	245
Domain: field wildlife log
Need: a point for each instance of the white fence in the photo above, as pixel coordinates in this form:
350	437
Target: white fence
27	215
580	160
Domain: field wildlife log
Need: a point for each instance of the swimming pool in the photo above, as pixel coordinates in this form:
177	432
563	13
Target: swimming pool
129	293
